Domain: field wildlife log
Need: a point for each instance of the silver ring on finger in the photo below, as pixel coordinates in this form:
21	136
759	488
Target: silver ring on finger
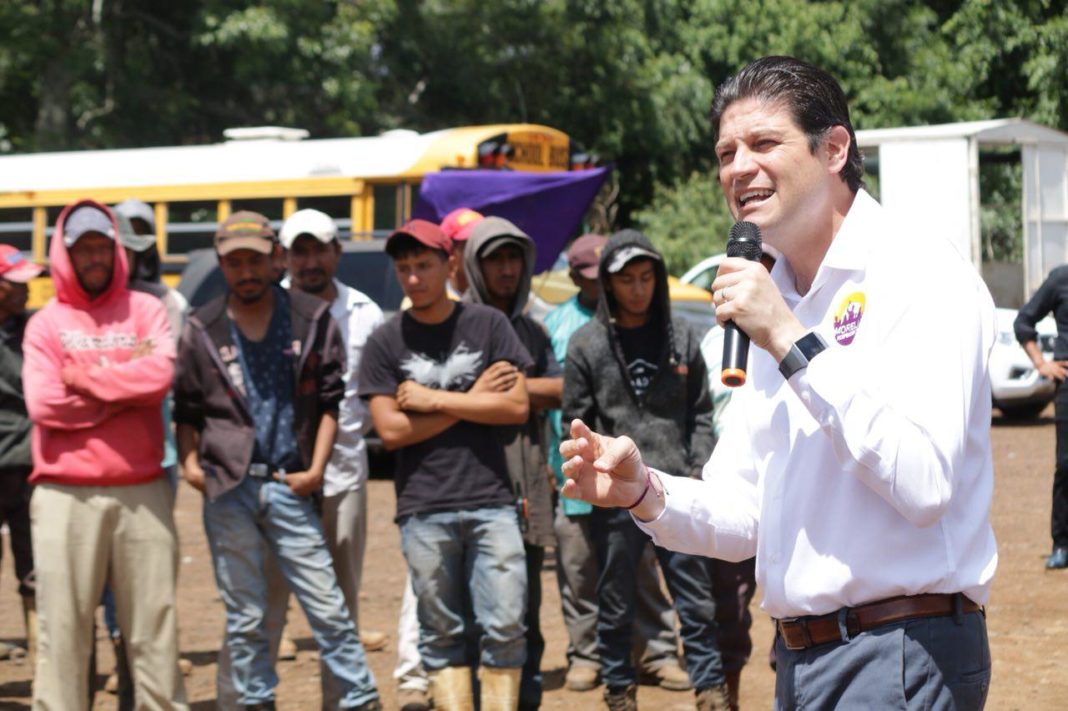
723	294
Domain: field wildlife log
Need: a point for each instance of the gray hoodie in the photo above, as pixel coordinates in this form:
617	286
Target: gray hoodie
527	463
672	421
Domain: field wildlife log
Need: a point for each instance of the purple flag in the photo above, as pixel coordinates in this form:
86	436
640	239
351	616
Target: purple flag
547	206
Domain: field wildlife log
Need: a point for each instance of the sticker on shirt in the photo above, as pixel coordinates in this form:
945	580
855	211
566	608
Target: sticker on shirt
847	319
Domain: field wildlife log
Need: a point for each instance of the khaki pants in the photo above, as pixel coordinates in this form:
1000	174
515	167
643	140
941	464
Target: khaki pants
345	527
82	537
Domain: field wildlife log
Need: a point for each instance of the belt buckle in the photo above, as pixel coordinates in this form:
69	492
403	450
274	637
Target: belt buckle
257	470
798	623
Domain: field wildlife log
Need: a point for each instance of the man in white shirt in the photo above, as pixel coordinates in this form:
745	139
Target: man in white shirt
854	466
312	255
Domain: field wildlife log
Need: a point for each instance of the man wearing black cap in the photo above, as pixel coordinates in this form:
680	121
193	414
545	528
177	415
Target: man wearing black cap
256	396
431	374
635	368
656	642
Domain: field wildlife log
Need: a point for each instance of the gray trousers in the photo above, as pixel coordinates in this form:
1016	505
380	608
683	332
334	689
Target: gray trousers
655	641
345	528
938	663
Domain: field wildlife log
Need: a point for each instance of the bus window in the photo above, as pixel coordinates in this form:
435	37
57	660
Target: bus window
338	207
386	209
16	227
191	225
271	208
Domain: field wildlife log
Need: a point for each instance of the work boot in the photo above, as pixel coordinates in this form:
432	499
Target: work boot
713	698
29	615
500	688
412	700
287	648
582	677
1058	559
451	689
734	685
261	706
669	676
621	698
373	641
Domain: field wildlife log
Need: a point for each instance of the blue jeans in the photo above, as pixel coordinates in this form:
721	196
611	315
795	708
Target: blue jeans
452	554
237	523
619	544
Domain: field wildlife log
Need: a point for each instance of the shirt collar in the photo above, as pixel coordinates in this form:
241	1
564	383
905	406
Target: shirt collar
349	298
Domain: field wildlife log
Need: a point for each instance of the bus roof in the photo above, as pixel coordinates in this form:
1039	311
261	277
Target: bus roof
396	154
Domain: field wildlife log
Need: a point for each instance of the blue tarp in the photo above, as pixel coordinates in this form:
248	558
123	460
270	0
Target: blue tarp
547	206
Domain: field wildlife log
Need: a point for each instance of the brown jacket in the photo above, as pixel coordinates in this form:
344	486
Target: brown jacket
207	398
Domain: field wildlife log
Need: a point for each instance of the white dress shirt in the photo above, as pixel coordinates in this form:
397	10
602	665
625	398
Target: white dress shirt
356	316
869	474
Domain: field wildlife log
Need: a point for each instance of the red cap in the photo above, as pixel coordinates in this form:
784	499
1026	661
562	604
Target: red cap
426	233
458	224
15	267
584	254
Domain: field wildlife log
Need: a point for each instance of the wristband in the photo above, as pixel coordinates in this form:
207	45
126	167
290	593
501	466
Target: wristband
648	485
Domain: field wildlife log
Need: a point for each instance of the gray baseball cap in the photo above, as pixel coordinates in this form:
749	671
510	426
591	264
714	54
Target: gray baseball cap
127	211
137	210
86	219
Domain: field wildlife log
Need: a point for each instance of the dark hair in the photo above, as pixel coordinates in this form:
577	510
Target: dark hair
401	246
814	97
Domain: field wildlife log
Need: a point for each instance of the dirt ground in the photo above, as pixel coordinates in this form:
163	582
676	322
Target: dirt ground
1028	612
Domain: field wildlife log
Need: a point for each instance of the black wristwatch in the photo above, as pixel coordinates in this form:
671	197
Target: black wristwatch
801	352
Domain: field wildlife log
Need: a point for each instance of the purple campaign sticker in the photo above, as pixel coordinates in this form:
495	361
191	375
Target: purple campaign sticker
847	320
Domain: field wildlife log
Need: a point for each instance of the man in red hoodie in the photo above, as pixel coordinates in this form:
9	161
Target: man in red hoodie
98	361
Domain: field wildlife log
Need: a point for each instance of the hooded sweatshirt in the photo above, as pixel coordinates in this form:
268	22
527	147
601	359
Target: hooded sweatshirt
103	428
526	459
671	422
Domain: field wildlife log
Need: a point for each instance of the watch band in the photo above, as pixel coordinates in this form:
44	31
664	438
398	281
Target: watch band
801	352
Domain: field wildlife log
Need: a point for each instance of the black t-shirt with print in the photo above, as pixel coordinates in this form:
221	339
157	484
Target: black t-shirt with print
462	467
642	347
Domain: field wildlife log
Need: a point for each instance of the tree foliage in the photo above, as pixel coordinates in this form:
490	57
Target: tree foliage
630	79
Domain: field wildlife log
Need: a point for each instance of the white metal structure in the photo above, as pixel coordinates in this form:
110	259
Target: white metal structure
932	173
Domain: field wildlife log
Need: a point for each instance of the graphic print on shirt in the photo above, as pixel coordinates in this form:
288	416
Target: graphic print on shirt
641	373
457	372
847	318
80	342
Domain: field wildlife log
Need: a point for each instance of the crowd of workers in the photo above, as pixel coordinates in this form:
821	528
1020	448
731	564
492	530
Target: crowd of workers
261	399
860	477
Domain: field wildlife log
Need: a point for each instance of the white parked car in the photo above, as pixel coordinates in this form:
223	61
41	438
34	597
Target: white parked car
1018	390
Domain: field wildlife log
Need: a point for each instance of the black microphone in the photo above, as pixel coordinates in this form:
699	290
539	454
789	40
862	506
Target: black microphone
744	242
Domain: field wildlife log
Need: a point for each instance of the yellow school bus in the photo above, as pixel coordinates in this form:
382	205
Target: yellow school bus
367	184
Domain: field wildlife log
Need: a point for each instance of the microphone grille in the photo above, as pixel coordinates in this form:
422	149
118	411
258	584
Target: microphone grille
744	241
